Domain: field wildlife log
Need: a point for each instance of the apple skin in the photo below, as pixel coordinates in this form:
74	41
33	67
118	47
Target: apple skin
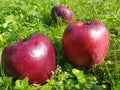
86	43
61	11
33	58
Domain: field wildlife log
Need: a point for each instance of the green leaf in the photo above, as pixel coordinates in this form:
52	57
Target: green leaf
68	66
1	81
96	87
80	75
46	87
22	85
6	83
9	19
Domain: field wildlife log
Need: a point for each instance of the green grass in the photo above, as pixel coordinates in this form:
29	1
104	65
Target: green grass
23	17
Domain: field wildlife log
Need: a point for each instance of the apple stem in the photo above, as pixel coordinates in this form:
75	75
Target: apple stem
19	38
68	7
88	23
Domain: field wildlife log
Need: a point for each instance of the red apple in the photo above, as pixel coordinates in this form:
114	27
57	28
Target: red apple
33	58
63	12
86	43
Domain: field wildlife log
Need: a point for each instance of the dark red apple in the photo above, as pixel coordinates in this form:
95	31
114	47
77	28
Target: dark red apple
86	43
63	12
33	58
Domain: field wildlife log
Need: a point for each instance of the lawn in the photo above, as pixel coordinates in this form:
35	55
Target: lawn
23	17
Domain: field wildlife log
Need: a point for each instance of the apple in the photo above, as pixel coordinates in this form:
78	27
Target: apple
33	57
86	43
60	11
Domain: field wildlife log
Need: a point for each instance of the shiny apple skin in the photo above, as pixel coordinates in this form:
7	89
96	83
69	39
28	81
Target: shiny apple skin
33	58
86	43
62	11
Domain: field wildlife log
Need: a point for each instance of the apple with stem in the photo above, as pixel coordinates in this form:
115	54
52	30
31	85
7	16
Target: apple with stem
33	57
86	43
60	11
